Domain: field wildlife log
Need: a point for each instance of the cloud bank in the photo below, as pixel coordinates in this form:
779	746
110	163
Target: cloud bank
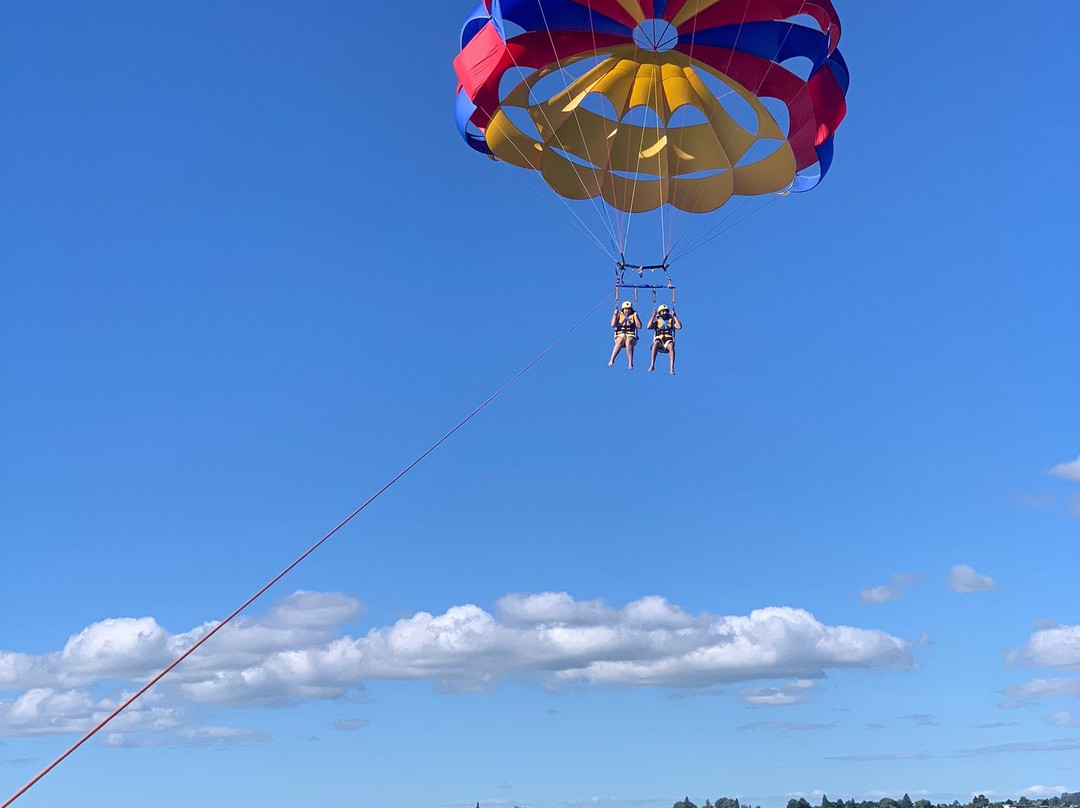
795	692
1056	745
783	726
964	579
894	590
1064	719
1067	471
297	652
1051	647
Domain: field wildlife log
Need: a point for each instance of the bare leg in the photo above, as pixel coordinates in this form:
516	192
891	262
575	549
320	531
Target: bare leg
630	343
615	351
652	355
671	356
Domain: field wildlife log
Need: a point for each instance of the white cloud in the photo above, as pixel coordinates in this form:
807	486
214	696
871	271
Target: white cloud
1014	704
875	794
1063	719
134	649
550	607
190	736
296	653
1044	689
795	692
1029	499
1068	471
1054	647
351	724
45	711
879	594
921	719
784	726
1044	791
1023	747
964	579
317	610
888	592
877	758
619	802
647	643
1059	745
20	761
217	736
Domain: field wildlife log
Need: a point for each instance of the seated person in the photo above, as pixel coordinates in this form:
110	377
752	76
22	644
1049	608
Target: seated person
626	323
664	323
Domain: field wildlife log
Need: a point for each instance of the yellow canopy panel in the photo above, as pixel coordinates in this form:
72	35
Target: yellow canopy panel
583	154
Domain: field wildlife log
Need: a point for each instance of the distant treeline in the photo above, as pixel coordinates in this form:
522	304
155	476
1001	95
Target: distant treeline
1064	801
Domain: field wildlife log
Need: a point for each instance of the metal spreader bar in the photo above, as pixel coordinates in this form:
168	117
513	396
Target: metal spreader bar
621	268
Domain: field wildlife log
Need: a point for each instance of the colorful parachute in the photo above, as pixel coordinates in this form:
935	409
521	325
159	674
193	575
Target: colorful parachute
648	104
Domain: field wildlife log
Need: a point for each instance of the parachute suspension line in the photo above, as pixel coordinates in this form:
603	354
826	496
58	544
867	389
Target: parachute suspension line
727	71
621	265
578	222
597	206
637	173
581	222
678	215
661	128
711	231
633	186
714	230
618	219
601	208
131	699
690	241
736	223
612	213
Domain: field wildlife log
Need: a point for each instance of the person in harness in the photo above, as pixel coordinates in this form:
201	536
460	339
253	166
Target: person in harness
664	323
626	323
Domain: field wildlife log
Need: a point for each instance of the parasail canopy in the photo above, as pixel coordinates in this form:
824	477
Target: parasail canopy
655	104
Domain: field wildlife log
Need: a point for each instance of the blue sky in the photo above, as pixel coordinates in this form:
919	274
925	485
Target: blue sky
249	271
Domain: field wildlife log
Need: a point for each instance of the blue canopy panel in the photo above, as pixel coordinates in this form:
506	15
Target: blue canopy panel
838	65
476	20
463	111
556	15
773	41
808	182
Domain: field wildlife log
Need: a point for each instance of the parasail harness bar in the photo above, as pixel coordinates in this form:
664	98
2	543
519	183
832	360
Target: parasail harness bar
621	268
